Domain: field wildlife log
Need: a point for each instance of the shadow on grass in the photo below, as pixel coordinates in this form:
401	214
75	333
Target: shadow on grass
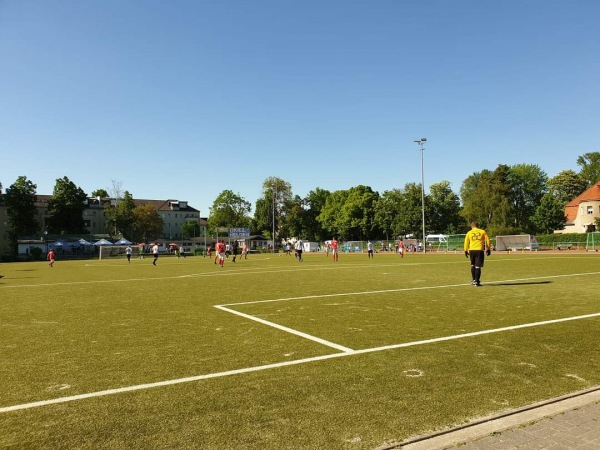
521	283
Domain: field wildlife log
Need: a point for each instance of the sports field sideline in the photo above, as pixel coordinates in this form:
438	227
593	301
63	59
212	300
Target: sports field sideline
272	353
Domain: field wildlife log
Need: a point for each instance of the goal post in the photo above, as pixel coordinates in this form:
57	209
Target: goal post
592	243
117	251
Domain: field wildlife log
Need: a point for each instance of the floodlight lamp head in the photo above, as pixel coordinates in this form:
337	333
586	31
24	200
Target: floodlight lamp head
423	139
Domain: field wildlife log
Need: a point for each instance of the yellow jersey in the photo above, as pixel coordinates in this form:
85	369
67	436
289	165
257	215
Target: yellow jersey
477	239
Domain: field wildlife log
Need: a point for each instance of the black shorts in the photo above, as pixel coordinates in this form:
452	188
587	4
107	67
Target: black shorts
477	257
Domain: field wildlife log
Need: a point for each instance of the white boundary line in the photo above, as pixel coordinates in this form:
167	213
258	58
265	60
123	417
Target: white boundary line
286	329
254	270
343	353
282	364
385	291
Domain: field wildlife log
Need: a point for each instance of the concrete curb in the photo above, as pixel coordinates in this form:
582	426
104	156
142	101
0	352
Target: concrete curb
482	427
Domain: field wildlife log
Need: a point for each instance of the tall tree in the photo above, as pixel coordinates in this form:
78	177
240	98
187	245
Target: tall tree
229	210
410	220
117	190
528	186
359	212
120	218
261	223
148	223
20	201
549	215
294	221
398	212
567	185
329	218
443	209
276	199
388	210
486	198
191	229
590	167
66	208
313	204
350	214
100	193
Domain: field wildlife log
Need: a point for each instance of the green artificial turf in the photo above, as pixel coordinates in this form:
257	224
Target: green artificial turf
86	327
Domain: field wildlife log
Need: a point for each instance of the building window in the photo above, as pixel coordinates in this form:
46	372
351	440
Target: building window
590	210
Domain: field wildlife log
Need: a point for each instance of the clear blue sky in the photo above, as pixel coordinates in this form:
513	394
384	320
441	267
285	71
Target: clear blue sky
184	99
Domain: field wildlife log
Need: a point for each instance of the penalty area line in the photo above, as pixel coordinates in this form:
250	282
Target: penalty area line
158	384
282	364
286	329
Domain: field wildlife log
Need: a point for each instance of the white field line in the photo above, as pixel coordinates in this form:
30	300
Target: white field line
344	352
385	291
281	364
254	271
249	271
286	329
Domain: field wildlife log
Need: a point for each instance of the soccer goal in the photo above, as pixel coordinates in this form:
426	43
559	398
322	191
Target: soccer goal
592	242
436	242
117	251
353	246
516	242
454	243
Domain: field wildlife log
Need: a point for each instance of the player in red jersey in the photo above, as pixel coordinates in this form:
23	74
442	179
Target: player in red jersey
334	249
221	252
51	257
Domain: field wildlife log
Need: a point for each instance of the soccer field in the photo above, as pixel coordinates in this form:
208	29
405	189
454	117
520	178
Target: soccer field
271	353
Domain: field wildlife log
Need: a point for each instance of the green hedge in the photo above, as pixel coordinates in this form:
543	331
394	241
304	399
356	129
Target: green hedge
549	239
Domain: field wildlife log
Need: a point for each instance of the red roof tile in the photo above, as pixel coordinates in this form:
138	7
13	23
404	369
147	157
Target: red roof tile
592	194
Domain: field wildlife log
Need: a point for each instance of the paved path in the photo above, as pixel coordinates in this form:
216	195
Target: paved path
569	422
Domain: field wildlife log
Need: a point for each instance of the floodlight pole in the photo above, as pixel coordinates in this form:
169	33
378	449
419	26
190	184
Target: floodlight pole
421	143
205	230
274	194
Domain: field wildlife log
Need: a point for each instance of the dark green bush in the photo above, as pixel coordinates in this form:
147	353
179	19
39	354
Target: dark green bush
548	239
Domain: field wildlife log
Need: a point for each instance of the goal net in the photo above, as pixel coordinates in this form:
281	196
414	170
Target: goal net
593	242
353	246
452	243
117	251
516	242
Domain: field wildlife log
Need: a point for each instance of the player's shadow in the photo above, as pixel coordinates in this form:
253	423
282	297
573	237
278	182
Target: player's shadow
520	283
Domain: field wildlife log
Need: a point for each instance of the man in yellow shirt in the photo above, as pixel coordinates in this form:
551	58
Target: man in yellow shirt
477	244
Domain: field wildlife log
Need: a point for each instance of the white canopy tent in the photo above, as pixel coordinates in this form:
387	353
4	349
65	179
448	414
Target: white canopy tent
102	242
